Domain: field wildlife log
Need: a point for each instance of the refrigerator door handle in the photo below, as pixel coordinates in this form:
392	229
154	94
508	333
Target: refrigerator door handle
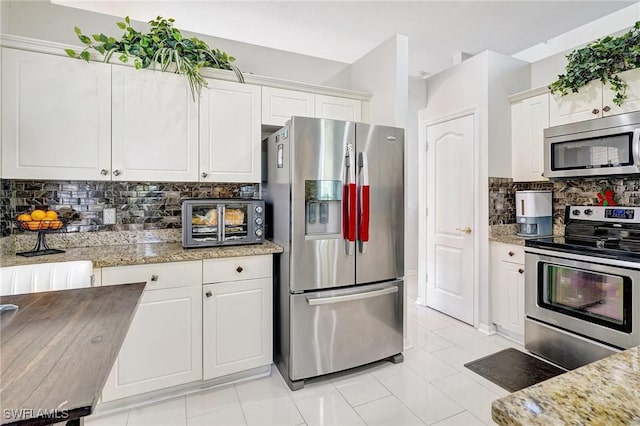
365	202
349	203
314	301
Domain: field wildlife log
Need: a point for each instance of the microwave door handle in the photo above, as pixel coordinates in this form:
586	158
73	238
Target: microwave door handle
635	147
221	236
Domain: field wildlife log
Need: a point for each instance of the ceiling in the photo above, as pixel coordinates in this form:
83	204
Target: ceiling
345	31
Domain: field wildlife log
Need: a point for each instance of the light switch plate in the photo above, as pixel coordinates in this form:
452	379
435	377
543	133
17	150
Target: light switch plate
109	216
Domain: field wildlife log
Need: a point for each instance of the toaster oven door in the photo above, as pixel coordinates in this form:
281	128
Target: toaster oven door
200	224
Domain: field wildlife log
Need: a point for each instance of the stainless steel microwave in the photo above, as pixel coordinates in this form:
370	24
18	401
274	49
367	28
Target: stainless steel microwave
601	147
217	222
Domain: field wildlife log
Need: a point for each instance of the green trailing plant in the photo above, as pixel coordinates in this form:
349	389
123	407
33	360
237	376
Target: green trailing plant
602	60
162	46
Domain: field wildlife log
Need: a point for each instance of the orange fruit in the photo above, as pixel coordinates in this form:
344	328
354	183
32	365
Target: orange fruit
38	215
55	224
24	217
51	215
33	225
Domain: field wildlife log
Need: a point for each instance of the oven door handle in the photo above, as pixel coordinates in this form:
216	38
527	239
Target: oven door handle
635	147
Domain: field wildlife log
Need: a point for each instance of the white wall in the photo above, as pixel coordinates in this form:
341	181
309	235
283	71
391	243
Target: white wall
45	21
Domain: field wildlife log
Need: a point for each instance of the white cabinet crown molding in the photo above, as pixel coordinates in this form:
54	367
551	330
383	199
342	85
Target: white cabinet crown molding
528	94
54	48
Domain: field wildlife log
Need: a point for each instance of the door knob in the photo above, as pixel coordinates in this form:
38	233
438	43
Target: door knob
595	111
208	294
239	269
104	172
466	230
511	253
606	108
204	174
117	172
521	271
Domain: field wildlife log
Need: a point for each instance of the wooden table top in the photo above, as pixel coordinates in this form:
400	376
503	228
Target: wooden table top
58	349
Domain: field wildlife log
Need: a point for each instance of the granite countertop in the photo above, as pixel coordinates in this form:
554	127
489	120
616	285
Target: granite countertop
135	254
508	239
603	392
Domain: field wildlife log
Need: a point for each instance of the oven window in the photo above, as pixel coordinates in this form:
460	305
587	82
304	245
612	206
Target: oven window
608	151
204	223
236	217
596	297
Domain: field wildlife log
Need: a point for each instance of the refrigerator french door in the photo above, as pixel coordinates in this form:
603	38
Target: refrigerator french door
335	193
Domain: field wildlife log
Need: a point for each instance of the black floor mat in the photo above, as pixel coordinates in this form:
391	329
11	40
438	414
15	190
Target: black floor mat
513	370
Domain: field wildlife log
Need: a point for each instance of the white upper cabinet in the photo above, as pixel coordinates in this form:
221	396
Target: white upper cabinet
56	117
155	126
594	101
230	132
529	118
279	105
338	108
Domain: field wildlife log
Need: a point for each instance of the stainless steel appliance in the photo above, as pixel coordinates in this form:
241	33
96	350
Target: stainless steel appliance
582	295
533	213
604	146
216	222
336	193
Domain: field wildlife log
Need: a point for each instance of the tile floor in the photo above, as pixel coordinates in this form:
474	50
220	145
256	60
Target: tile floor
431	387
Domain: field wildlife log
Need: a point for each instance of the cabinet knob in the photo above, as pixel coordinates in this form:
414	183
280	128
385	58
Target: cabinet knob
208	294
154	278
595	111
104	172
204	174
511	253
117	172
606	108
521	271
239	269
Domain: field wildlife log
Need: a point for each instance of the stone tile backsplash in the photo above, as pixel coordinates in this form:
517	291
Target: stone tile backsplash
139	205
502	193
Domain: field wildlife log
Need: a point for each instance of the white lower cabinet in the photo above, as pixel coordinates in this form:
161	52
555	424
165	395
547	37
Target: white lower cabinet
507	288
237	314
163	347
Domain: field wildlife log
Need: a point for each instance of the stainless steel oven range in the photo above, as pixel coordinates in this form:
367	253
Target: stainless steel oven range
582	300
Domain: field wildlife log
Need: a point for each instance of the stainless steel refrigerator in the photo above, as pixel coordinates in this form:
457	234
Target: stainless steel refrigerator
335	200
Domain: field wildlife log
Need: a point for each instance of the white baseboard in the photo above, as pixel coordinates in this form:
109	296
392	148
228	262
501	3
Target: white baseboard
420	302
487	329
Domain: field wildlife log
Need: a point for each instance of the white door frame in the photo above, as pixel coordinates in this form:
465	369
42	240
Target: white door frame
480	220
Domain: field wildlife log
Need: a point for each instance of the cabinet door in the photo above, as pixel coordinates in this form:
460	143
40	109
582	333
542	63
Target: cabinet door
632	103
163	347
338	108
507	288
529	118
155	126
581	106
56	117
237	326
230	132
279	105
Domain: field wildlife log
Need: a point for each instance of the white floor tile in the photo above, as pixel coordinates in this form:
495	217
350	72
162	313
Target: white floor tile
276	411
474	397
388	411
497	339
231	415
168	413
429	341
426	365
463	419
118	419
264	388
455	356
361	389
327	409
469	339
211	400
421	397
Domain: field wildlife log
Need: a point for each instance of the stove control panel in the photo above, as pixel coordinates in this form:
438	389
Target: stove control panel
605	214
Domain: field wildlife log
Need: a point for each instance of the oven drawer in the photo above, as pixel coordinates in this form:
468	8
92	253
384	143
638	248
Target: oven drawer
339	329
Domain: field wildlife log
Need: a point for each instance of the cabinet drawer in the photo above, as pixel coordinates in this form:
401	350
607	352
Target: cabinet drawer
157	275
509	252
237	268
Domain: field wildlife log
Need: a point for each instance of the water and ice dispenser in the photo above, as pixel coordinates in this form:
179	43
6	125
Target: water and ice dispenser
534	215
322	207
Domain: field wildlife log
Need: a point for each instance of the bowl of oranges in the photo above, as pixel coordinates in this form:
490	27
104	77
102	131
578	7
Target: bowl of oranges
40	220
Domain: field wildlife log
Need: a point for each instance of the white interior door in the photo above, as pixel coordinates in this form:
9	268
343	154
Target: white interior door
450	203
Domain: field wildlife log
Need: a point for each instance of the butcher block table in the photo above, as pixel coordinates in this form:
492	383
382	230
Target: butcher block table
57	350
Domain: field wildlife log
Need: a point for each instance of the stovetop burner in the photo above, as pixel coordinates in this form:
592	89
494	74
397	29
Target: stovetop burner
597	231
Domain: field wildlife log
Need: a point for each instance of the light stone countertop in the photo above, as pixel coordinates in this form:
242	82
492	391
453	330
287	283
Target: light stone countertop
605	392
136	254
508	239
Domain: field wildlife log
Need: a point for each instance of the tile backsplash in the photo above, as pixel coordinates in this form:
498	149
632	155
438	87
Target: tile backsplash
139	205
502	192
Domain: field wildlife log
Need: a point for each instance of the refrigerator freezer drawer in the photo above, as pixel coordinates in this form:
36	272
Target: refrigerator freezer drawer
339	329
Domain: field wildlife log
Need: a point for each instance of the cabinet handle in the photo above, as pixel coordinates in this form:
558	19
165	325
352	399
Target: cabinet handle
239	269
154	278
204	174
606	108
208	294
521	271
104	172
117	172
511	253
595	111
